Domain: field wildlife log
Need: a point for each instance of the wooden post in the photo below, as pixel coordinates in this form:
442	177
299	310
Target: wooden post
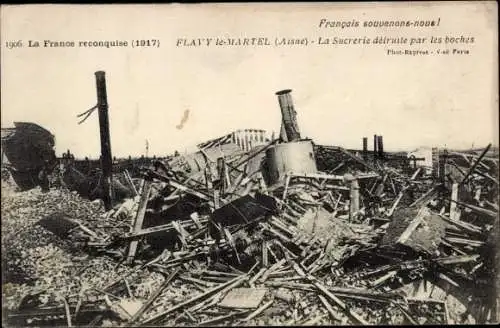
106	158
208	177
454	198
247	139
265	259
221	182
354	198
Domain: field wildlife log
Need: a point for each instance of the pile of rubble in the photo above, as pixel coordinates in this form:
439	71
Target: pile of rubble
221	245
252	231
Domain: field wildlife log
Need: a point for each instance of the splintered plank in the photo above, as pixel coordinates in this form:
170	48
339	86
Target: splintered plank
396	202
353	315
223	318
130	182
422	213
153	297
478	209
424	198
259	311
139	219
454	198
330	309
257	276
476	163
196	298
264	254
244	298
163	227
425	232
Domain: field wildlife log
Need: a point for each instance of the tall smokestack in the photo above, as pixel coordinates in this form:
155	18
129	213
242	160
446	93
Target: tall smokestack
289	116
380	147
375	143
365	147
283	137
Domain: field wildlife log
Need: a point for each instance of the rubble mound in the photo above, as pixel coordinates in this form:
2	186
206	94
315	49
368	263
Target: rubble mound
313	249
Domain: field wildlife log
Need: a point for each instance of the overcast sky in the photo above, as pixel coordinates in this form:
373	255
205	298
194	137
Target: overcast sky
341	93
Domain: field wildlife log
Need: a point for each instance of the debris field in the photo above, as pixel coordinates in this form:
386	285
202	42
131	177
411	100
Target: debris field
275	232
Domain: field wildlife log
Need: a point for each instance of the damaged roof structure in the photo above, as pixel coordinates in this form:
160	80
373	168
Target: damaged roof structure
251	230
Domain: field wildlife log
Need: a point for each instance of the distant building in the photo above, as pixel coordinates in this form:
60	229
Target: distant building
426	154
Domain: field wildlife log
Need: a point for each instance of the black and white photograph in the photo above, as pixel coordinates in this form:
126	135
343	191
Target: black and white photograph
250	164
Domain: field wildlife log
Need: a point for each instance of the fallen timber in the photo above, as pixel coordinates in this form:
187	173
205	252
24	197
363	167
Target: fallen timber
364	241
331	298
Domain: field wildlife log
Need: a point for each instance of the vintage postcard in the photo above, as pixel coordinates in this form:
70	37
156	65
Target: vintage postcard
250	164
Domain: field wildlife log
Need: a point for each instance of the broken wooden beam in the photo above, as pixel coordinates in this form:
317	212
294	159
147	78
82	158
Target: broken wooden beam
396	202
353	315
224	318
458	259
153	297
462	224
160	228
476	209
454	198
258	311
329	308
193	299
474	166
273	268
139	219
422	213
